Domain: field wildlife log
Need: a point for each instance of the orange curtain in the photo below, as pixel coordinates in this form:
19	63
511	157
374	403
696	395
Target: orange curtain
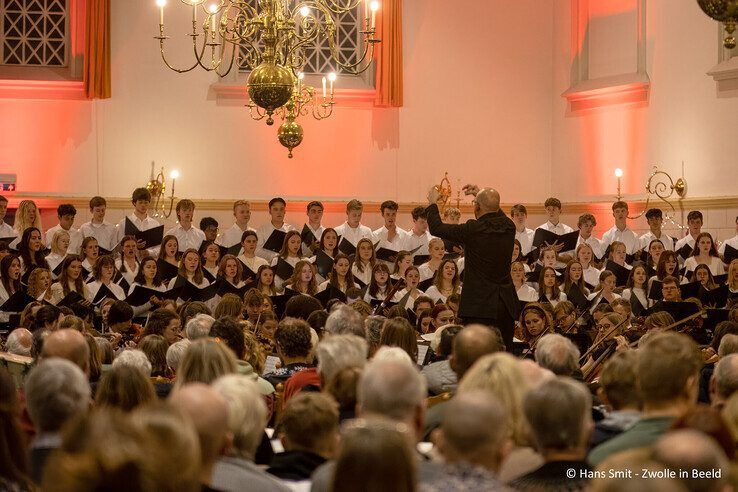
389	55
97	49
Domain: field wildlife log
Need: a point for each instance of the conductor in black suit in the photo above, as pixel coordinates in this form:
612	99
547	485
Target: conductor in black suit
489	296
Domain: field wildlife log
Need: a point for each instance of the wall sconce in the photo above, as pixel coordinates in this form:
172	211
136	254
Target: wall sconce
157	187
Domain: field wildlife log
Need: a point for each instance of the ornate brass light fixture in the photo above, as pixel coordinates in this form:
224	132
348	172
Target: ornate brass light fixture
157	186
273	37
725	12
661	185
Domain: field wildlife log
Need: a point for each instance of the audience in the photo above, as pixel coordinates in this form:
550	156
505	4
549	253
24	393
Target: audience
469	345
558	354
56	391
199	326
375	455
473	450
208	411
619	393
136	359
19	342
561	434
294	346
15	469
247	416
724	381
309	435
344	321
667	372
439	375
124	387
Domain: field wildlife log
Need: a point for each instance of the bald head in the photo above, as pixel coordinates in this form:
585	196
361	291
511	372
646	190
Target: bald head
208	411
19	342
467	433
689	449
471	343
70	345
487	200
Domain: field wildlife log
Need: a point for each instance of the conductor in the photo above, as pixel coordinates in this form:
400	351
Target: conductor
488	296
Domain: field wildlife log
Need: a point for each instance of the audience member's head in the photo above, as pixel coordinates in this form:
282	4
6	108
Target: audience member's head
724	379
19	342
175	354
466	434
345	320
208	411
398	332
247	413
199	326
155	348
471	343
70	345
124	387
375	455
339	352
500	375
618	382
728	345
309	422
667	371
709	421
229	331
205	361
56	390
392	353
301	307
692	450
134	358
293	340
14	463
394	390
566	423
343	388
558	354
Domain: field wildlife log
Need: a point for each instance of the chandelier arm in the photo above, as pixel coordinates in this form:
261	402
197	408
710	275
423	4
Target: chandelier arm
230	64
362	64
340	9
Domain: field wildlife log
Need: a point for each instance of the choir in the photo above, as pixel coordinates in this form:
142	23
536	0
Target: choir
554	268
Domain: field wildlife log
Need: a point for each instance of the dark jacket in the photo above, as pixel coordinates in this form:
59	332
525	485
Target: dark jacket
488	245
295	465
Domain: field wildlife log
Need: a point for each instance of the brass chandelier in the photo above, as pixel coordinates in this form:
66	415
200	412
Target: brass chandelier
272	38
725	12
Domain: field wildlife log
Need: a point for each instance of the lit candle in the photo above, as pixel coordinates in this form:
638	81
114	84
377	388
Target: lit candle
174	175
374	6
332	79
213	10
324	90
161	4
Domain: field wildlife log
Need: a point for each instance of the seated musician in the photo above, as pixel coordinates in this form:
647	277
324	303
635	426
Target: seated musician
609	337
535	321
670	289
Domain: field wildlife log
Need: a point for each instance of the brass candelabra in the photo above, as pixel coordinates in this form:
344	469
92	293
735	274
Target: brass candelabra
157	186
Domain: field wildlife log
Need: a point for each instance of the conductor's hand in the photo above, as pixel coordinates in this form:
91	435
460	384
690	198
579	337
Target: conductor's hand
471	189
434	196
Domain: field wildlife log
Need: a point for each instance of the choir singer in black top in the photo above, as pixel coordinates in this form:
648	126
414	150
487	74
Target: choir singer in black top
488	296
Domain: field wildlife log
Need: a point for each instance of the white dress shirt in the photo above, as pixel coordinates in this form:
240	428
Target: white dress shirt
398	242
105	233
640	294
716	266
365	276
263	233
232	236
665	239
6	230
75	239
686	240
733	242
353	235
526	240
559	228
253	263
317	233
190	238
597	247
141	225
130	273
436	295
413	241
116	289
625	236
425	272
526	293
591	275
53	260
